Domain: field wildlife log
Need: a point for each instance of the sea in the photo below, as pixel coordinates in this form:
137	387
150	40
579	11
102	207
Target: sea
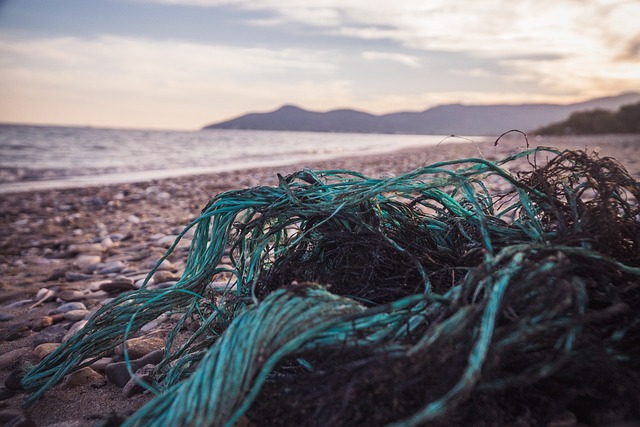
47	157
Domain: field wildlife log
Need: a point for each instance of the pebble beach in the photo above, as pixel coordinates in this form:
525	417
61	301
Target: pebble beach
66	252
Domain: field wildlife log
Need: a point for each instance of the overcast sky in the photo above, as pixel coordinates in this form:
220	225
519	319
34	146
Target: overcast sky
182	64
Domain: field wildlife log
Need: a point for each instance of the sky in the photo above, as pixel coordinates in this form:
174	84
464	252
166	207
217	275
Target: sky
183	64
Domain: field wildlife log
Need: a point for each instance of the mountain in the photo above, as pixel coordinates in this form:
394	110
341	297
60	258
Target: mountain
449	119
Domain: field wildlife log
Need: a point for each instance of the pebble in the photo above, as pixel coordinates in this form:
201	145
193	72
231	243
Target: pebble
139	347
85	248
14	380
164	276
52	334
166	241
40	323
132	387
81	377
15	418
133	219
75	328
118	374
70	295
19	303
100	365
119	284
6	393
9	358
164	265
70	423
68	306
85	262
73	276
75	315
44	349
4	317
110	267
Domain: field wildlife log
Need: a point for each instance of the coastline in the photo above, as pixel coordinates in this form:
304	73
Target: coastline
133	223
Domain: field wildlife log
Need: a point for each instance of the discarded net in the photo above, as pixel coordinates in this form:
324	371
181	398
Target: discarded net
460	291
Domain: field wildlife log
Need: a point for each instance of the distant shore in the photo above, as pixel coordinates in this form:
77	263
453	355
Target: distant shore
128	225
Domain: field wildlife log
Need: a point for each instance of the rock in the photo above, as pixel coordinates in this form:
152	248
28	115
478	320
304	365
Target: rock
70	295
132	387
45	349
75	328
20	303
107	243
100	365
164	265
9	358
119	284
110	267
73	276
84	262
11	417
154	323
81	377
4	317
70	423
164	276
13	381
69	306
133	219
118	374
139	347
40	323
52	334
165	285
43	296
166	241
75	315
15	333
5	394
85	248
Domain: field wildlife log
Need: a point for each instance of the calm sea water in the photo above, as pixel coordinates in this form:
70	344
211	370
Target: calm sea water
36	157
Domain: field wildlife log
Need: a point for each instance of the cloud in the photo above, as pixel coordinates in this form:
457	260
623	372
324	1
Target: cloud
408	60
133	82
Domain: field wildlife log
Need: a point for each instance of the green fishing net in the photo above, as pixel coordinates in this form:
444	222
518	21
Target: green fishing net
463	290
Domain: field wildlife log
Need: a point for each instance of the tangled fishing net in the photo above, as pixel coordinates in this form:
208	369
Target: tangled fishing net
459	292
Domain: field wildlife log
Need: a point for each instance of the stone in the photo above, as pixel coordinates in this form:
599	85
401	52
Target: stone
40	323
133	219
119	284
70	423
10	357
75	315
86	248
81	377
110	267
75	328
145	374
166	241
15	333
73	276
11	417
44	349
5	317
100	365
139	347
85	262
68	306
13	380
118	374
6	393
51	334
164	276
70	295
164	265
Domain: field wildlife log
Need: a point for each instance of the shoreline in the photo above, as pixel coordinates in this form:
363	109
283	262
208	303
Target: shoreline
128	226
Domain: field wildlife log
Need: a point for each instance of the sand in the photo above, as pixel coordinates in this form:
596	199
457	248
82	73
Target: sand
40	227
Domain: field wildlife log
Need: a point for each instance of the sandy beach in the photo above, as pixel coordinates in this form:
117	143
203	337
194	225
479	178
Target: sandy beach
63	246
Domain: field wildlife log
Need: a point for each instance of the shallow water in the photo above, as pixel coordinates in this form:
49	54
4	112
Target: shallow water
39	157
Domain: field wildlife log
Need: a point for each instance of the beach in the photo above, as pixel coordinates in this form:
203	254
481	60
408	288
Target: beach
71	245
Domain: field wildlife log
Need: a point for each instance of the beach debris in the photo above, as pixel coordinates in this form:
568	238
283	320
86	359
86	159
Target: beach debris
460	289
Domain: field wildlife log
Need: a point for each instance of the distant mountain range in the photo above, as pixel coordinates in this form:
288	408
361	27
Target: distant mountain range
449	119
